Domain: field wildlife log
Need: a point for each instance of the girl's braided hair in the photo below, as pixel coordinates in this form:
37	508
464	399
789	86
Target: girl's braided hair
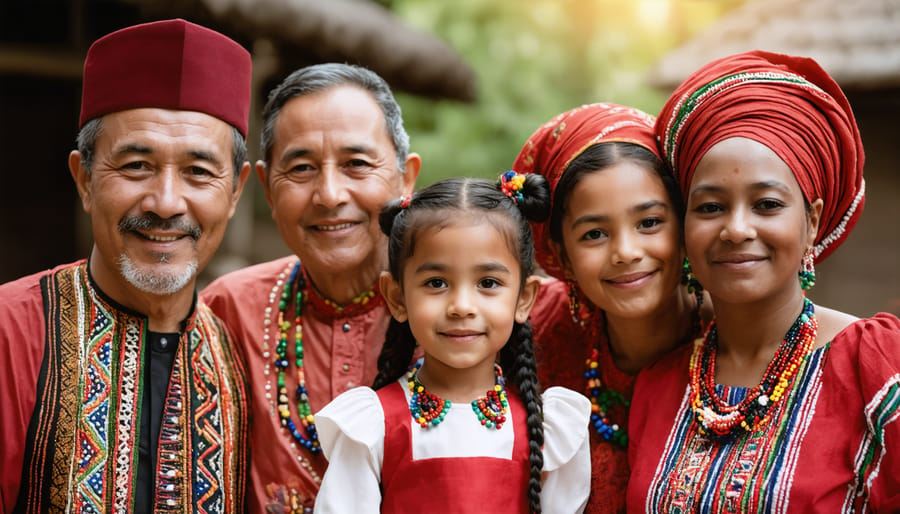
508	205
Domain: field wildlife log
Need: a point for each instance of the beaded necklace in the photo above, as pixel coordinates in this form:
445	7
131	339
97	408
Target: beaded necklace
713	414
306	434
308	437
602	400
429	410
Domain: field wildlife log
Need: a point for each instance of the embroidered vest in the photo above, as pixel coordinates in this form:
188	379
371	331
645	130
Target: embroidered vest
82	447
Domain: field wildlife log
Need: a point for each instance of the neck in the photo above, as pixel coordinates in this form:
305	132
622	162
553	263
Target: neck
457	384
636	342
746	329
164	312
342	288
749	334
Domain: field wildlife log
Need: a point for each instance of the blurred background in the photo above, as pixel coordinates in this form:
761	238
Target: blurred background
474	78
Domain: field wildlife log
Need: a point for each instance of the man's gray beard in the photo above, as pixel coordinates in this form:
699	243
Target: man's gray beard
158	284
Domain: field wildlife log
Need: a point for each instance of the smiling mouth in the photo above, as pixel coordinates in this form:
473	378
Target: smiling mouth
161	239
332	228
630	278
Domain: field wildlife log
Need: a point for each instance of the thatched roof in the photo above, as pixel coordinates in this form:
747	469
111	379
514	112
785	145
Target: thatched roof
294	33
856	41
357	31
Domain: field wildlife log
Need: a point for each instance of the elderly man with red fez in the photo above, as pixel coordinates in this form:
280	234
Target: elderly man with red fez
313	323
120	392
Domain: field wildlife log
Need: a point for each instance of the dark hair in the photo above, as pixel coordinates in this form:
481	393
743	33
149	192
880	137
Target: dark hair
435	206
598	157
322	77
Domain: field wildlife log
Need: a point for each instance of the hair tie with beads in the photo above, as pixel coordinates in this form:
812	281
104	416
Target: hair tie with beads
404	201
511	184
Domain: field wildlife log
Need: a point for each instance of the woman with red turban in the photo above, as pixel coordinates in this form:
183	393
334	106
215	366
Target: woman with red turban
783	406
614	236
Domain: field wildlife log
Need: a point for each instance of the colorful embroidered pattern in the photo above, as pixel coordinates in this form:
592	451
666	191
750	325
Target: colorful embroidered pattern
749	473
81	454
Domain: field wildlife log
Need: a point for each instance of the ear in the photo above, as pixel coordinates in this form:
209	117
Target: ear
82	179
560	253
814	217
239	187
264	180
527	298
411	173
393	296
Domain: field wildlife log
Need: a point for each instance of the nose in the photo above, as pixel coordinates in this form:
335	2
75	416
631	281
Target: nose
461	303
626	248
165	196
331	187
738	227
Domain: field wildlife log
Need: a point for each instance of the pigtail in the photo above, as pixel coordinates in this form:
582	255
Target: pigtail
396	354
535	203
517	358
388	213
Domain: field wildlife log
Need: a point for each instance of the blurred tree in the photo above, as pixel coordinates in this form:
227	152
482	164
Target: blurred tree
535	59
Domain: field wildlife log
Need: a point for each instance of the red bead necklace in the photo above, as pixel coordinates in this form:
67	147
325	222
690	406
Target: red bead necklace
720	419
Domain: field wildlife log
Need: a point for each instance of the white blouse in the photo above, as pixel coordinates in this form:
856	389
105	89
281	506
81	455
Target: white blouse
351	431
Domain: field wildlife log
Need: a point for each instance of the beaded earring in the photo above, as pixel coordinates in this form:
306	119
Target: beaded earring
689	280
578	311
807	270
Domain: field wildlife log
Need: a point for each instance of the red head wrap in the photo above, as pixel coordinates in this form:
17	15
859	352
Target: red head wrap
555	144
791	105
171	64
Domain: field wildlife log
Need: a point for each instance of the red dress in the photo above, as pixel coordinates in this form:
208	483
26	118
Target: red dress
562	348
830	446
466	484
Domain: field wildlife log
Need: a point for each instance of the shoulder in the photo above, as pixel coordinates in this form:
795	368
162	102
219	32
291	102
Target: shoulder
355	414
876	338
566	418
24	295
249	280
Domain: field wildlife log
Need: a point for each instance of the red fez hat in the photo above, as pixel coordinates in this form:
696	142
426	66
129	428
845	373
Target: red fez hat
789	104
172	64
559	141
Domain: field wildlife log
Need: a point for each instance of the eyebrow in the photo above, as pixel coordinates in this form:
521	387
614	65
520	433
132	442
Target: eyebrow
600	218
756	186
489	267
131	148
303	152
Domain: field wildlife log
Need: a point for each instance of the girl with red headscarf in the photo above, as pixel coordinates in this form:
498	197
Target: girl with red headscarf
783	405
614	237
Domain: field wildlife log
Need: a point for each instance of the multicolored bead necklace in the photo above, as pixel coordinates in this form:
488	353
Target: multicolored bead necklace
721	419
429	410
308	437
602	400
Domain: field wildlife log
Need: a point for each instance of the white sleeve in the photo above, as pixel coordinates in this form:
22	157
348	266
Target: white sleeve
351	431
566	477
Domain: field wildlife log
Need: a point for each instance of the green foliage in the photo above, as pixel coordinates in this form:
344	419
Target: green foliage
534	59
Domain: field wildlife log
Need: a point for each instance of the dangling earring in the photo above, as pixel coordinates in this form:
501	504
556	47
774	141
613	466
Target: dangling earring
807	270
689	280
575	307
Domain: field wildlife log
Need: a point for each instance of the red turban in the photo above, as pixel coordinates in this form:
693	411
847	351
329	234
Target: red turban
172	64
791	105
555	144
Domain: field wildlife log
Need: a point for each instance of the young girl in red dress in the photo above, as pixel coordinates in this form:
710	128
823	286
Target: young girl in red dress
614	236
467	429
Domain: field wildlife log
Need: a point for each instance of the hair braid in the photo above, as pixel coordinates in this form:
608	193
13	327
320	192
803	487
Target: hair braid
517	357
396	354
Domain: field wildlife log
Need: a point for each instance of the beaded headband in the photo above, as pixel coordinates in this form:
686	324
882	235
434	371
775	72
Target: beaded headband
511	184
